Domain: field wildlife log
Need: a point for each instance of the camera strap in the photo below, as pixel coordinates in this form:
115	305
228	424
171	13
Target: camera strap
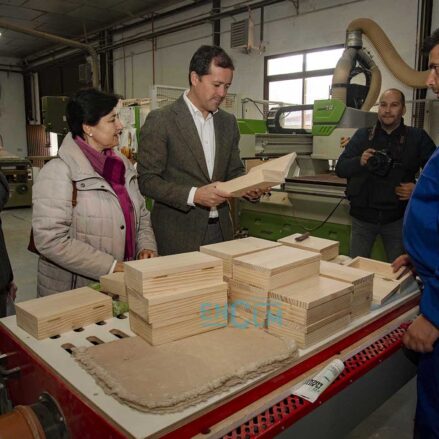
398	149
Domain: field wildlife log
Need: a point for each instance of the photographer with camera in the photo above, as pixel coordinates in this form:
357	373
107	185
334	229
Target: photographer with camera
381	164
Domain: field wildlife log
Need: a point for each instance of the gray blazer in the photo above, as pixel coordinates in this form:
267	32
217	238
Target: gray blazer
6	276
171	161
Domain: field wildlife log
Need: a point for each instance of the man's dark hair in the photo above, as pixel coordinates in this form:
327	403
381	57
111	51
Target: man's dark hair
430	42
202	58
87	107
397	90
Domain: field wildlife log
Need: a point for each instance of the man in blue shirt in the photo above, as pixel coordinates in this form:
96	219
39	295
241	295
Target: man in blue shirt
421	240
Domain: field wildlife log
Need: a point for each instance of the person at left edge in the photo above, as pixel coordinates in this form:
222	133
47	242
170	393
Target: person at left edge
109	223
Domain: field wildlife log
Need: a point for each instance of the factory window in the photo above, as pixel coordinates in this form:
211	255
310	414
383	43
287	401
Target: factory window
299	79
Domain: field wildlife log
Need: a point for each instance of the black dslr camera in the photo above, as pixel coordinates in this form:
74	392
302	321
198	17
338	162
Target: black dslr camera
380	163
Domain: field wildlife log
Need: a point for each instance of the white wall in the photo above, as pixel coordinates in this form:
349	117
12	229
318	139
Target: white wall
319	24
12	111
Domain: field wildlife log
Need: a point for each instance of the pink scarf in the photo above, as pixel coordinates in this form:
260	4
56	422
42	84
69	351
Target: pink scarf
111	167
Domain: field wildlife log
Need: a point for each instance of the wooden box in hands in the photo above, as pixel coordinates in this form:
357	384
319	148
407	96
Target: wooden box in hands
269	174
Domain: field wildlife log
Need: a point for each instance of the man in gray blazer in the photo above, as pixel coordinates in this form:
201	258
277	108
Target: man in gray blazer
185	148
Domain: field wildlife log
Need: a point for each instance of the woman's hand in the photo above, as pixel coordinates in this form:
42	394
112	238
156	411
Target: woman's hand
146	254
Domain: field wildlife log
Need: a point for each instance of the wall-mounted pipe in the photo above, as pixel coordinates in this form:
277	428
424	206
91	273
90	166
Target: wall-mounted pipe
400	69
375	82
57	39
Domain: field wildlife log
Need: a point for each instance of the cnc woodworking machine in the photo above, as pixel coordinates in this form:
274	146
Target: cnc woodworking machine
370	347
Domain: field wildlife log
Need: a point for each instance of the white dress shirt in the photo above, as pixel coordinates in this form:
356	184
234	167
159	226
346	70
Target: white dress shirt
206	133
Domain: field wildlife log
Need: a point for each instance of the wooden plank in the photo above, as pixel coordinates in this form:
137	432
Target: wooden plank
52	315
269	174
327	248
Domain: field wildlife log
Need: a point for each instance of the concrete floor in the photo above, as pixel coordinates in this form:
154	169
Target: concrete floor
394	419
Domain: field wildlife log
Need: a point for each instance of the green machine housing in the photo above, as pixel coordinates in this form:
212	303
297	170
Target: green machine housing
311	191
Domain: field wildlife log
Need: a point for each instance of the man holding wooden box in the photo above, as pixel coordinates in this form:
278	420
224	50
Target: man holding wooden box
185	149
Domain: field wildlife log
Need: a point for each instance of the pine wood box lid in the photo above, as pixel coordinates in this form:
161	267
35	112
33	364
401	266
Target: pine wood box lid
238	247
276	259
172	264
311	292
313	243
345	273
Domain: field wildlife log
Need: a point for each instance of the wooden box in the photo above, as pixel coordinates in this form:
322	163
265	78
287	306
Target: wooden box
181	272
166	331
327	248
228	250
52	315
386	283
175	304
269	174
275	267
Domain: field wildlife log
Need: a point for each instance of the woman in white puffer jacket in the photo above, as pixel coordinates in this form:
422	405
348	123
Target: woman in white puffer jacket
88	213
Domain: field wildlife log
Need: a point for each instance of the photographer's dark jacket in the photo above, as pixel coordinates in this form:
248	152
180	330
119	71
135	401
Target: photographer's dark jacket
372	196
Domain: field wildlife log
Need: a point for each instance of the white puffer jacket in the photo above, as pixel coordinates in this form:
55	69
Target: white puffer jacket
79	244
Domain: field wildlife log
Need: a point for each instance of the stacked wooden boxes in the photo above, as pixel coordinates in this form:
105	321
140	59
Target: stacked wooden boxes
310	309
327	248
174	297
228	250
58	313
362	282
255	274
386	283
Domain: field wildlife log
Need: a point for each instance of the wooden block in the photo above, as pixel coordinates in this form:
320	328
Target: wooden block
63	312
269	174
114	283
181	272
165	332
275	267
311	292
175	304
327	248
228	250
